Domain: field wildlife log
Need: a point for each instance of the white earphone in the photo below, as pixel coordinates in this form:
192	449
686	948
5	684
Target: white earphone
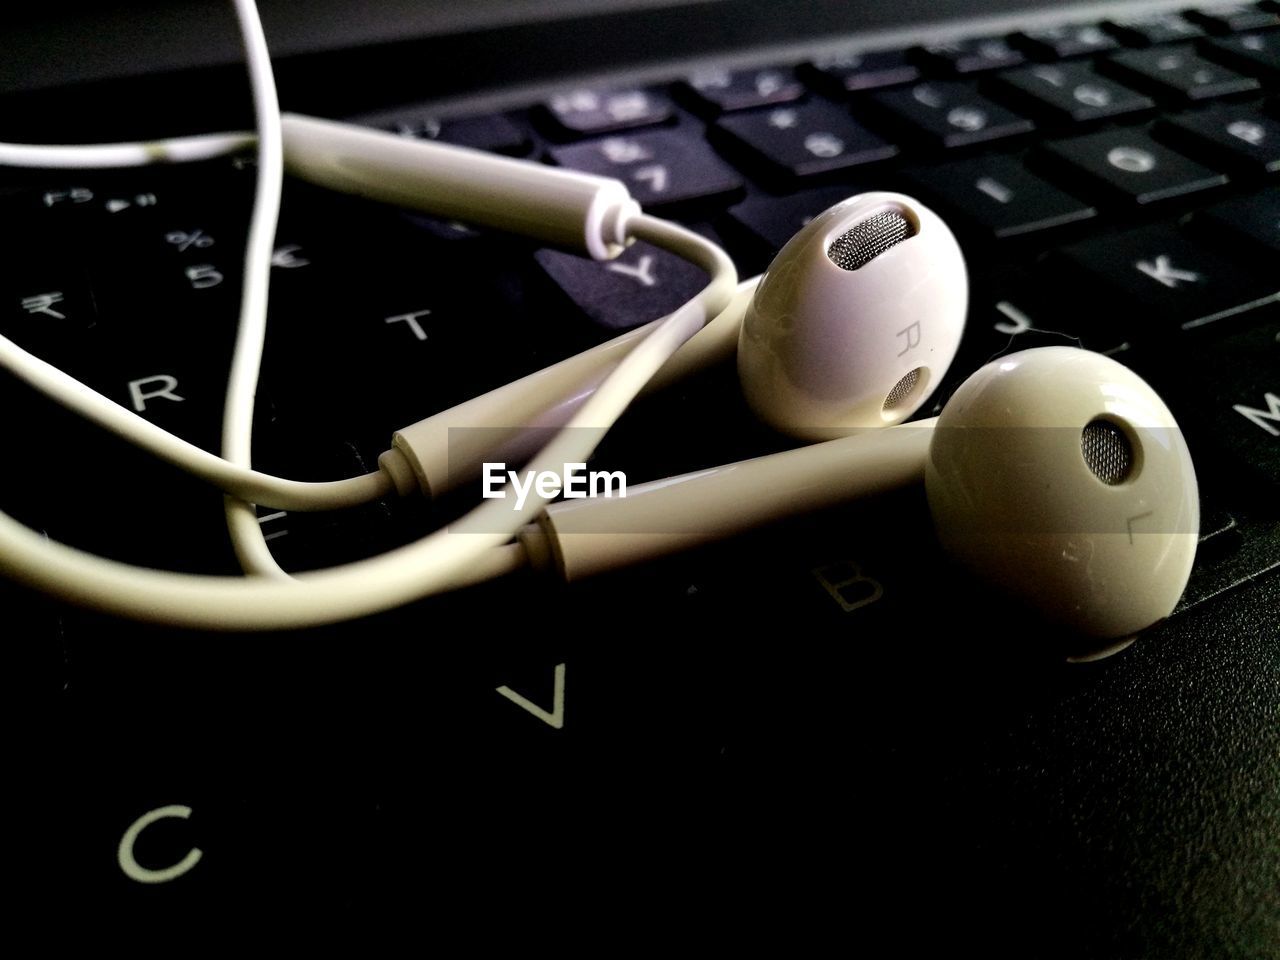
850	329
856	319
825	346
608	379
1055	473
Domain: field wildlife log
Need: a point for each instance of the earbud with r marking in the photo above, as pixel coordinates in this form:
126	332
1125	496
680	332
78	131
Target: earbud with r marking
856	320
851	328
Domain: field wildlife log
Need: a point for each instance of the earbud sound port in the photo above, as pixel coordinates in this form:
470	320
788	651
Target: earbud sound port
905	391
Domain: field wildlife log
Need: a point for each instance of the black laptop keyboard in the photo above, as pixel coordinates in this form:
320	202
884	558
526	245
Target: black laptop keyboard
828	697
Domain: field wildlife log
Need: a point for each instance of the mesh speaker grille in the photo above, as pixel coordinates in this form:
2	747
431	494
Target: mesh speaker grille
903	389
859	245
1106	451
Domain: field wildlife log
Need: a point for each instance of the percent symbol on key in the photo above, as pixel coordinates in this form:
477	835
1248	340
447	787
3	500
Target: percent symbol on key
185	241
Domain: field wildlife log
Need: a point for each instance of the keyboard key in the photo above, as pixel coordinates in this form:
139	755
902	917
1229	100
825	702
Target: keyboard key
951	114
1234	18
972	55
999	196
1131	166
1156	277
662	167
178	386
719	90
1252	53
118	201
867	70
1072	91
1251	221
62	202
1161	28
1071	40
585	111
1003	321
804	140
370	332
495	133
1089	331
772	221
1235	137
1234	393
47	307
186	266
1178	72
640	285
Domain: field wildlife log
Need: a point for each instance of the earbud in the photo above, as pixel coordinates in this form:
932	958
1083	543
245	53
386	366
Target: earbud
1056	474
856	320
852	326
1061	477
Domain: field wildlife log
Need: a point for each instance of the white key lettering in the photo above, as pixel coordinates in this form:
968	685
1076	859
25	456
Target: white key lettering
994	189
1164	272
411	320
1050	75
1092	95
839	578
782	119
967	118
655	176
1256	416
622	150
204	276
1131	159
1248	131
286	258
134	870
639	272
72	195
824	145
43	303
553	717
1020	321
141	392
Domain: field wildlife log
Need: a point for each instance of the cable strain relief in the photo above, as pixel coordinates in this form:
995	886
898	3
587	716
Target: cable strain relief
615	226
396	466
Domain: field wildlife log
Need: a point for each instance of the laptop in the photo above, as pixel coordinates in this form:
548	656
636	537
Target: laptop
825	729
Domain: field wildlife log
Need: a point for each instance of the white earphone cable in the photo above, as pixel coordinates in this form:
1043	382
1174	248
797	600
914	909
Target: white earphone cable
110	156
435	563
285	494
246	362
241	481
440	561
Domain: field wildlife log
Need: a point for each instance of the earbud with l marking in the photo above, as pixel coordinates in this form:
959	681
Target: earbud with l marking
1056	474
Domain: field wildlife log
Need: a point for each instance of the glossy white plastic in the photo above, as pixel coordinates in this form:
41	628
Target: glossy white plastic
581	538
1012	493
844	339
563	207
822	348
1015	500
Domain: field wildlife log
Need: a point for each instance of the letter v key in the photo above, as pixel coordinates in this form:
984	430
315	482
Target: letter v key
554	718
